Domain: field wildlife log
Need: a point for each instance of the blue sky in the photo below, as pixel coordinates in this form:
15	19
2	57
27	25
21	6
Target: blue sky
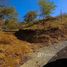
23	6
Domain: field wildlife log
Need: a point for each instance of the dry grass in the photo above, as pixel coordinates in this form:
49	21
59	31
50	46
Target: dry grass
12	51
58	22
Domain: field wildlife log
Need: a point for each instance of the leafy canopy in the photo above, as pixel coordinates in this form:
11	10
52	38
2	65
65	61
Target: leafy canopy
7	12
30	16
47	7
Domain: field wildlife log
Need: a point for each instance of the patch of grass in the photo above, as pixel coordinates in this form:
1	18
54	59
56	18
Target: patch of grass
12	50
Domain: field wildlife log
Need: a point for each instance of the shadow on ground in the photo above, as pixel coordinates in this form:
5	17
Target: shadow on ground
36	36
57	63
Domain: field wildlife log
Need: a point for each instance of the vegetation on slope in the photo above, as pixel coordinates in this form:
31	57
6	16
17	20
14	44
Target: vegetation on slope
13	52
49	30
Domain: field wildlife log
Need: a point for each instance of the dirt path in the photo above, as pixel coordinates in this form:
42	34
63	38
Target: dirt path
44	54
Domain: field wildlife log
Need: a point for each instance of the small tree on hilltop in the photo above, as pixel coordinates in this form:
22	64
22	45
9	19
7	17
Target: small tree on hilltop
47	8
8	14
30	16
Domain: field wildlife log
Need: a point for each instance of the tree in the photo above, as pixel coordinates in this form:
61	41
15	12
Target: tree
11	24
47	8
7	12
30	16
9	15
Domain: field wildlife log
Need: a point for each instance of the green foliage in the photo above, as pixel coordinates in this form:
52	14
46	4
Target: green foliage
47	7
11	24
10	16
7	12
30	16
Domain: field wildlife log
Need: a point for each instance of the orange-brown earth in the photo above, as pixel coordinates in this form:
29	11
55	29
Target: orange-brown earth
13	52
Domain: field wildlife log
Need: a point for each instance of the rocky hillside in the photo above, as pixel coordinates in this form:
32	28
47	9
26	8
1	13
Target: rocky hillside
16	48
52	30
